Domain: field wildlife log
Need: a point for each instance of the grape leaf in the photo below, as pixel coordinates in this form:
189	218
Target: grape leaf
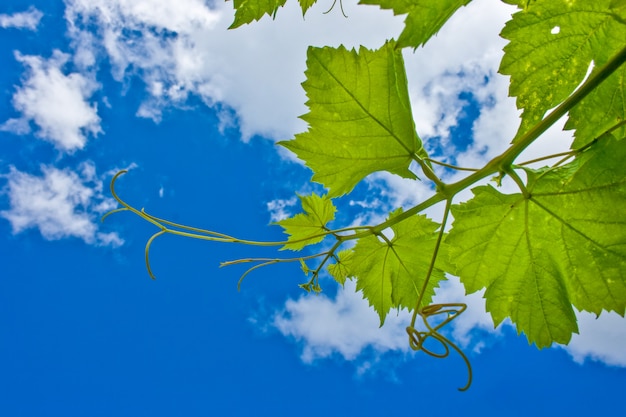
425	17
602	109
360	118
306	4
247	11
309	227
391	272
522	4
552	44
339	270
563	245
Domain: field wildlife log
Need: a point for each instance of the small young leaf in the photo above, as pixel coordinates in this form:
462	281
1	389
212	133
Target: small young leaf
561	247
425	17
360	118
339	270
309	227
391	272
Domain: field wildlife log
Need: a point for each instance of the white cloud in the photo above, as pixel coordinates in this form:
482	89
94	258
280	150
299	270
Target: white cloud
182	47
55	102
346	325
60	204
279	208
22	20
601	339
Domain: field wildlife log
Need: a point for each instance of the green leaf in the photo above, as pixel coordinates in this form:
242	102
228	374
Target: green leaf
339	270
522	4
552	44
309	227
360	118
391	272
562	246
602	109
247	11
306	4
425	17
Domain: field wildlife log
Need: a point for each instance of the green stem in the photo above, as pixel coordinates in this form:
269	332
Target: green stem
511	173
545	158
457	168
433	260
506	159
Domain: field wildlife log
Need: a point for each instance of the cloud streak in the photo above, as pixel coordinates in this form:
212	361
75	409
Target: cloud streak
28	20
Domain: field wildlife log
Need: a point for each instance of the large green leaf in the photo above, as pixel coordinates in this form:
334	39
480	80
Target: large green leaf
391	272
552	44
425	17
561	246
360	118
605	106
309	227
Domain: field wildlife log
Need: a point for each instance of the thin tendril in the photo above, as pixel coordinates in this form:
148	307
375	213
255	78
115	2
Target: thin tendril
574	152
147	249
544	158
458	168
431	267
450	310
252	269
340	6
107	214
204	234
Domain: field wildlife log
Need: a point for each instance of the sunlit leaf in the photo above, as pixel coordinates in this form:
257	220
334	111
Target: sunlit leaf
391	272
309	227
306	4
552	43
360	118
602	109
425	17
561	247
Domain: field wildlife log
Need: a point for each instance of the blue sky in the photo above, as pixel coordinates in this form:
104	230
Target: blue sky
160	87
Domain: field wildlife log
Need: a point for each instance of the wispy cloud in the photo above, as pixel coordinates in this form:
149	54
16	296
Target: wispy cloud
60	204
28	20
182	48
55	102
601	339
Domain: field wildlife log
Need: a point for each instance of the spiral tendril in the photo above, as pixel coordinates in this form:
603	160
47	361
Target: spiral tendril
417	338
